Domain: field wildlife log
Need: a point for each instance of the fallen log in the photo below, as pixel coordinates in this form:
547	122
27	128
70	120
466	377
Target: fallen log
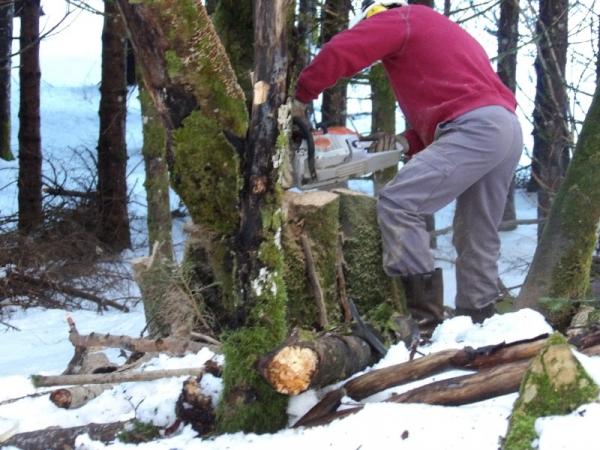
113	377
76	396
297	366
64	438
485	384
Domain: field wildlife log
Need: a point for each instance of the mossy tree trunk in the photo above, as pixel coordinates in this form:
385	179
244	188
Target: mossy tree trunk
156	183
248	402
113	227
187	75
31	214
303	38
334	19
508	39
233	21
6	29
562	261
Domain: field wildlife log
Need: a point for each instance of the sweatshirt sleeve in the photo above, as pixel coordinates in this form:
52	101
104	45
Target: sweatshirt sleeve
351	51
415	144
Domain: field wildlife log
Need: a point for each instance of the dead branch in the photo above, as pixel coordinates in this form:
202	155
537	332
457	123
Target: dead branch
59	191
113	377
170	345
40	282
314	281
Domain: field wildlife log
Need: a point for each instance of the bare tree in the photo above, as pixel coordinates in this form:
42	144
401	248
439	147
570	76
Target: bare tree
551	136
112	153
30	152
508	38
334	19
6	30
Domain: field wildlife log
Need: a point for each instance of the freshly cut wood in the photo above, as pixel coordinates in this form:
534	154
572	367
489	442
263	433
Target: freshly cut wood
77	396
296	367
112	378
64	438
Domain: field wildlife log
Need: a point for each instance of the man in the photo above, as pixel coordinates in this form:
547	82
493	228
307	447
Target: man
464	142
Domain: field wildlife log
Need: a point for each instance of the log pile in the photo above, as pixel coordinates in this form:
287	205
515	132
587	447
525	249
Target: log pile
498	370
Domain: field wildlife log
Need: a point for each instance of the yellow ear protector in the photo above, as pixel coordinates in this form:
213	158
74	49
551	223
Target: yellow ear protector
375	9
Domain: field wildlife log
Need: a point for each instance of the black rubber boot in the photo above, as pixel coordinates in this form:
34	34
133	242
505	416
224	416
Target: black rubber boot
425	299
477	315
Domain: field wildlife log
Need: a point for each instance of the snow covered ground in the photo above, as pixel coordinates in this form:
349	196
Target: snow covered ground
38	343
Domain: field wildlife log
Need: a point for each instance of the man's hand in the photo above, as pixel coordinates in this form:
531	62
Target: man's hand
386	141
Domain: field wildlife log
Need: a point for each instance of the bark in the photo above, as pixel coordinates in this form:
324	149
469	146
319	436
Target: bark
194	407
30	151
508	39
6	31
64	438
314	217
551	136
297	366
334	19
113	227
563	257
156	183
302	38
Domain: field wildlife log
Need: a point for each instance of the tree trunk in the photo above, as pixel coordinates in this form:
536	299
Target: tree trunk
303	38
30	152
248	403
112	154
6	31
154	151
562	260
187	75
551	136
334	19
508	39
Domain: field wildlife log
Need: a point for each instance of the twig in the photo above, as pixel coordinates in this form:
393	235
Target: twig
314	281
508	223
65	289
204	337
8	325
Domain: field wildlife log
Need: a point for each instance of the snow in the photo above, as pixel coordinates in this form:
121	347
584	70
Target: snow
38	343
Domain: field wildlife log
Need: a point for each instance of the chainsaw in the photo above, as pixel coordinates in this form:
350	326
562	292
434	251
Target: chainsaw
328	156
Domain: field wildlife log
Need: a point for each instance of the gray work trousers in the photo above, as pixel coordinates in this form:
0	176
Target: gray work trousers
472	159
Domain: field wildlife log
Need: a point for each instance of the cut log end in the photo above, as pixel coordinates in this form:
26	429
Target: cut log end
291	370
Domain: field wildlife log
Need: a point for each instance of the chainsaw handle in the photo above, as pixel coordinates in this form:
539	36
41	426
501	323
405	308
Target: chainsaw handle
306	134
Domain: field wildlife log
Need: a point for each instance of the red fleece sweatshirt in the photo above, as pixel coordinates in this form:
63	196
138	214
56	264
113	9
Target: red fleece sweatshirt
437	70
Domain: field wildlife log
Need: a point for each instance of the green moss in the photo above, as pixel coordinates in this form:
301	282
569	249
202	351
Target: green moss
321	227
205	174
558	311
138	432
174	64
555	384
366	281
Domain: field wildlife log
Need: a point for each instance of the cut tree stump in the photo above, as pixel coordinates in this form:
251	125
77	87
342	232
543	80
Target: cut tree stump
77	396
310	240
297	366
